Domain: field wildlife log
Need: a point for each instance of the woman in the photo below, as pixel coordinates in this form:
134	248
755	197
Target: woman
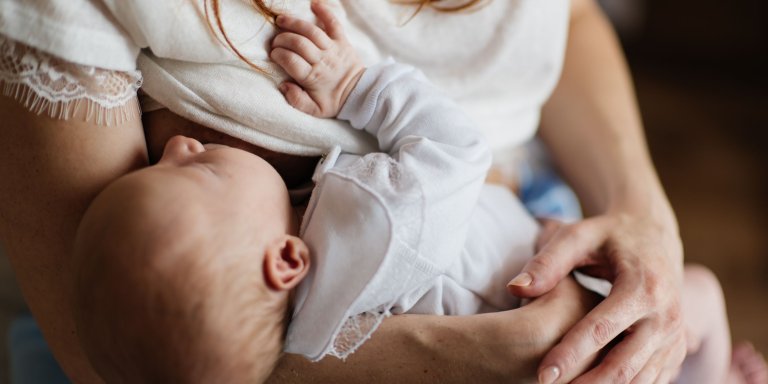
52	168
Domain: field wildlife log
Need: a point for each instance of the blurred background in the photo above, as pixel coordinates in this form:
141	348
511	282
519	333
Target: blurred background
700	72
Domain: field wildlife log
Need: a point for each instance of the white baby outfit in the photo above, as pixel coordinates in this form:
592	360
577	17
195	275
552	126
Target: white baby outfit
402	231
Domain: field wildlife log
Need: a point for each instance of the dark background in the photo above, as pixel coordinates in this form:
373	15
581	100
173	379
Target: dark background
700	72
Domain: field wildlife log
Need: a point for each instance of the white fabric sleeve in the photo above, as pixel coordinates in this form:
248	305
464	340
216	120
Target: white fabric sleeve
432	140
48	85
381	225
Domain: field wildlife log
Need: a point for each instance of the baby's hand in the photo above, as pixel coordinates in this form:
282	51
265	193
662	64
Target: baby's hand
321	61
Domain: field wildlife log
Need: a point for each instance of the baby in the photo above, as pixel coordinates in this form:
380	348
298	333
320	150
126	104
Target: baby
197	262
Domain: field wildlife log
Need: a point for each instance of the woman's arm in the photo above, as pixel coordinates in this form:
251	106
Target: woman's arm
495	347
593	128
50	170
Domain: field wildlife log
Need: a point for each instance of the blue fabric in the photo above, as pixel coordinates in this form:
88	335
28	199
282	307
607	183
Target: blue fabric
31	361
546	195
542	191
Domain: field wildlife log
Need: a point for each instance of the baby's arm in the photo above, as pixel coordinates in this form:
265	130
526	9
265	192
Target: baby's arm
409	206
324	66
432	142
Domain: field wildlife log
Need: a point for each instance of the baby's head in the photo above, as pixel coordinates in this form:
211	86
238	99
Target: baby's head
184	269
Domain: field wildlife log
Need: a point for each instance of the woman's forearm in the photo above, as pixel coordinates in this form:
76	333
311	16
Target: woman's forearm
592	124
50	170
487	348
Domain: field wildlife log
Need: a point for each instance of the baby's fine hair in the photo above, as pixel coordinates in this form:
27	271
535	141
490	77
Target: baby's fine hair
173	306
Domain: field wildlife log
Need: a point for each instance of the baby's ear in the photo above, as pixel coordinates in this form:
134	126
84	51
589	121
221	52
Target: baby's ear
286	262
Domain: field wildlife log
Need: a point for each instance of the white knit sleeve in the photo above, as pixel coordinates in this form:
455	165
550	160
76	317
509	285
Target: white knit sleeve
383	225
47	85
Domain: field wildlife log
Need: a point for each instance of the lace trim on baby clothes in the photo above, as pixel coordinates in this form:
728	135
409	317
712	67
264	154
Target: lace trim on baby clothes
355	331
47	85
384	175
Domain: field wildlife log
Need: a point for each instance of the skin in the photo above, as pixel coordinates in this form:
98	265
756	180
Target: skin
324	69
499	347
324	66
71	161
708	342
159	277
162	125
590	123
593	128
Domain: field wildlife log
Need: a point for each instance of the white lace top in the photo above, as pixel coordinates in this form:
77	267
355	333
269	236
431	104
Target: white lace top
60	89
499	62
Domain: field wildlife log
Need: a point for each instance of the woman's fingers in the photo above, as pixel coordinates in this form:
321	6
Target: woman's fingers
304	28
642	302
643	262
664	378
299	45
652	372
668	363
331	25
603	324
569	248
549	228
633	360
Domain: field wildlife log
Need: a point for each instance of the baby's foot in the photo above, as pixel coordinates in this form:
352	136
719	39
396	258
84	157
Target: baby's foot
748	366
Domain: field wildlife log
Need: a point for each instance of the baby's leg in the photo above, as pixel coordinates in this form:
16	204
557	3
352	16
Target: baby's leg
709	339
709	357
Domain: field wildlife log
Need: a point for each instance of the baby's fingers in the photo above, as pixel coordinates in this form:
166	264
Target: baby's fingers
292	63
304	28
331	25
299	45
298	98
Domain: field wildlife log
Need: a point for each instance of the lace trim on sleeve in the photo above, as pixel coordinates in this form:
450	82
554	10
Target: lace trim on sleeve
47	85
356	330
400	272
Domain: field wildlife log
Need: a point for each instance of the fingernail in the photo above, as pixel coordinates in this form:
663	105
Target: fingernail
522	280
549	375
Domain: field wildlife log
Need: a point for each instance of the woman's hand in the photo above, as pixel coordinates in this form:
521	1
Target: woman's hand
324	66
500	347
592	126
641	259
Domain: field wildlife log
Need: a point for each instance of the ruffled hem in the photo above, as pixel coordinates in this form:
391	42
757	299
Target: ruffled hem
81	109
50	86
